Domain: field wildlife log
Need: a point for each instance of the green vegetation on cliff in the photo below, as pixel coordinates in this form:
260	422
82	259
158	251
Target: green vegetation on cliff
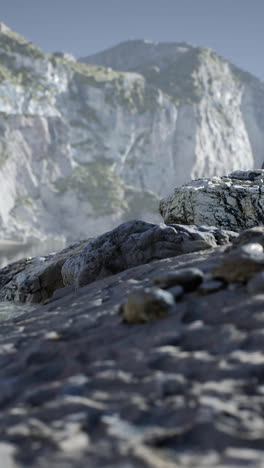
96	183
10	41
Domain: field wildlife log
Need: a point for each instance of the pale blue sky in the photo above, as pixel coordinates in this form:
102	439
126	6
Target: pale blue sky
234	28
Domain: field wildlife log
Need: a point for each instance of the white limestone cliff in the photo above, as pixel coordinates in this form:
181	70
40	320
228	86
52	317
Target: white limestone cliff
86	146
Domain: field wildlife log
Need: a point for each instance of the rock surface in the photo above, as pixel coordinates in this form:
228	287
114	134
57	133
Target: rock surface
130	244
85	146
137	242
79	387
234	202
35	279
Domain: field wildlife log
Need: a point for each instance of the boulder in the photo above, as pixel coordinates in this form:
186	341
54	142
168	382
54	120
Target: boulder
135	243
130	244
235	202
35	279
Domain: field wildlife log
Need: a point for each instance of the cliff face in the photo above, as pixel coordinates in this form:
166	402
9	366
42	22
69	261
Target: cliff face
85	146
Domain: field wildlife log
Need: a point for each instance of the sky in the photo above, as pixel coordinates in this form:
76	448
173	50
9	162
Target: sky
234	28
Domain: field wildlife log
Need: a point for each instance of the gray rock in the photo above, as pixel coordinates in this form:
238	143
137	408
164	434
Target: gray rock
148	304
247	175
241	263
234	203
135	243
130	244
35	280
188	278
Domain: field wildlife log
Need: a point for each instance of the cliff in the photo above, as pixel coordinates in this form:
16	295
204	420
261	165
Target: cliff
84	146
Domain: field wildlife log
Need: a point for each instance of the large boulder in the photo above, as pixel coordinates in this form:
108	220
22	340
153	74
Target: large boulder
235	202
135	243
130	244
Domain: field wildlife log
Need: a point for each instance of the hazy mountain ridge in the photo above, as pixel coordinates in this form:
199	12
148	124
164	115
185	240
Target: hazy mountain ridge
83	147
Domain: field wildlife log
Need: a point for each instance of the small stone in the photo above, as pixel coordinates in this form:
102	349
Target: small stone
241	263
148	304
188	278
210	286
256	284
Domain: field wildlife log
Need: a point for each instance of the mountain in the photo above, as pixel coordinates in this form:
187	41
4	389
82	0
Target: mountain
87	144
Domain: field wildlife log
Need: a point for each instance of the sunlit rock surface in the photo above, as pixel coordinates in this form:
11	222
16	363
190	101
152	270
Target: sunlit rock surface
235	202
84	147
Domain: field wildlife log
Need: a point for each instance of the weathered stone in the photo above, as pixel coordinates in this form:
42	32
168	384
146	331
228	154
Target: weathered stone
134	243
35	280
241	263
229	203
148	304
188	278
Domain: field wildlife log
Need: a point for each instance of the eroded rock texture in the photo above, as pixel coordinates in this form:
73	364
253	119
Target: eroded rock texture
130	244
234	202
136	242
80	387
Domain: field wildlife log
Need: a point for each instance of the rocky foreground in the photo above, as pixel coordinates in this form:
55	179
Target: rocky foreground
151	356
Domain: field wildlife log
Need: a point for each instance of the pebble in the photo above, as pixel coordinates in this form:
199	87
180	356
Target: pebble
148	304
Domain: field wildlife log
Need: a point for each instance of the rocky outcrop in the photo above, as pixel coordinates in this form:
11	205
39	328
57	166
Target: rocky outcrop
183	386
130	244
85	146
34	280
235	202
135	243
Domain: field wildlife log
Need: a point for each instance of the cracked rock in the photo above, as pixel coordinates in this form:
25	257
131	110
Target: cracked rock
235	202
